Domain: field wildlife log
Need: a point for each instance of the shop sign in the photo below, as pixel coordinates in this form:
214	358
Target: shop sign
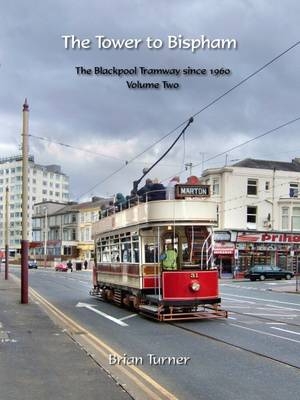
223	250
222	236
268	237
182	191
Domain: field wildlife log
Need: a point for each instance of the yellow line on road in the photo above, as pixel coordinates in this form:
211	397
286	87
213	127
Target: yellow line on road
132	372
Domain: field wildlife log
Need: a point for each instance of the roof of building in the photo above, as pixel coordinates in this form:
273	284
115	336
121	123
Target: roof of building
268	164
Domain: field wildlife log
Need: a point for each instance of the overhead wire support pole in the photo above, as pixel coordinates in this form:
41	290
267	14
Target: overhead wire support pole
24	241
136	183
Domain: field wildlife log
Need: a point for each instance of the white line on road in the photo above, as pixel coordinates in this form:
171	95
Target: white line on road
283	308
273	315
265	333
258	298
240	301
91	307
128	316
285	330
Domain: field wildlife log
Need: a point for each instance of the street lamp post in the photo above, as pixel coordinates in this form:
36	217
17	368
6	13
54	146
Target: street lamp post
24	241
46	237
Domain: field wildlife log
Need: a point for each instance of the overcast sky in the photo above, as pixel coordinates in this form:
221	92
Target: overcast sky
108	125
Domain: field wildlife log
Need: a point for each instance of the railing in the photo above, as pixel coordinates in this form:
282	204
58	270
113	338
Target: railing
208	248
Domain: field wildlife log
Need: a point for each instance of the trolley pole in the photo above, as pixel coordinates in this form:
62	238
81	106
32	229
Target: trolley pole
6	232
24	241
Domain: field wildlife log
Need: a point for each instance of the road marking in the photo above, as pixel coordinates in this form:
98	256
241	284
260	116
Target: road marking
258	298
283	308
128	316
266	333
151	388
91	307
240	301
273	315
275	323
285	330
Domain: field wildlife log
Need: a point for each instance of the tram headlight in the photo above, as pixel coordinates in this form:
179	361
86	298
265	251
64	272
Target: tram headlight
195	286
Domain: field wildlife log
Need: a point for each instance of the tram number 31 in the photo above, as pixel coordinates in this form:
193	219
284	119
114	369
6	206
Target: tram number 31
194	275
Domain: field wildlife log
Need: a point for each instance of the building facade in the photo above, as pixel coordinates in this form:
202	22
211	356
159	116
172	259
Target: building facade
61	232
258	212
45	182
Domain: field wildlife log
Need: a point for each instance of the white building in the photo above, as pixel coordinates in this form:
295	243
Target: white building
258	201
45	182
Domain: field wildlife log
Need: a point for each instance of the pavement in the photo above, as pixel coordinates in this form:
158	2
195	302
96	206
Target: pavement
40	361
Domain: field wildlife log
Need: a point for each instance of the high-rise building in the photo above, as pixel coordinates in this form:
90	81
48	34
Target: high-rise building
45	183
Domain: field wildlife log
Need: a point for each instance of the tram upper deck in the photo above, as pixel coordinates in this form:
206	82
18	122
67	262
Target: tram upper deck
195	211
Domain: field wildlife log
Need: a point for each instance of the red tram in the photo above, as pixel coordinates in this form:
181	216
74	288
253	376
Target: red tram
156	256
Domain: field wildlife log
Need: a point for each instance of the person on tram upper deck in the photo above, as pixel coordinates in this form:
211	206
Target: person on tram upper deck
120	202
142	192
170	192
157	192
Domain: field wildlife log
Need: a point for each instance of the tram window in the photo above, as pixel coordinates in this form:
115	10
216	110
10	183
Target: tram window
126	252
115	257
136	254
185	252
151	253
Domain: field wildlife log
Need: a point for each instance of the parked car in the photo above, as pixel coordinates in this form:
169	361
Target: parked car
263	272
32	264
61	267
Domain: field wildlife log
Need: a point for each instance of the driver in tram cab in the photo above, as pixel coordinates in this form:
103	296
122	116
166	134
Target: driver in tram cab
169	259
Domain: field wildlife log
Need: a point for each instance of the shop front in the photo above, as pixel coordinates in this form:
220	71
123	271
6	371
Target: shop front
250	248
224	252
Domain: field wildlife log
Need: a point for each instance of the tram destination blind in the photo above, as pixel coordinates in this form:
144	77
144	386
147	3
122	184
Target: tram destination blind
182	191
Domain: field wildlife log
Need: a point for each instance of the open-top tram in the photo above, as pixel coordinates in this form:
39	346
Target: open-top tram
156	256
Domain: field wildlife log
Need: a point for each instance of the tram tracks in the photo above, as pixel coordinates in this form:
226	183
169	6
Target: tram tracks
238	346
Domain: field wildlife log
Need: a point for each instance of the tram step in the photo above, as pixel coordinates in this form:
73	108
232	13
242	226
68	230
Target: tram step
147	307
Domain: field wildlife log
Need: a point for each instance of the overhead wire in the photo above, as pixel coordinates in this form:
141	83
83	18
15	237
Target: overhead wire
244	143
218	98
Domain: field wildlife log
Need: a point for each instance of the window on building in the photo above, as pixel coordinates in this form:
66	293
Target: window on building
251	214
295	219
252	187
67	250
215	186
285	218
293	190
267	186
